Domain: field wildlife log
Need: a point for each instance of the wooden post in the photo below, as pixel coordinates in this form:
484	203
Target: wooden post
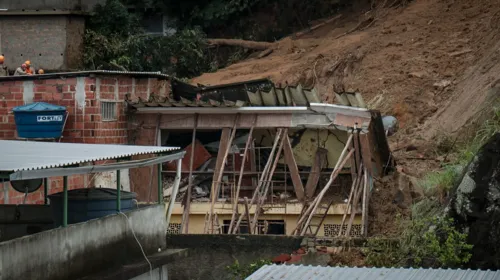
352	196
340	161
313	179
294	171
325	189
247	213
355	204
242	169
187	207
267	182
364	218
264	173
224	146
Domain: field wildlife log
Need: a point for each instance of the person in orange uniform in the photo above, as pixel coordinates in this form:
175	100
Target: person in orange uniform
29	70
3	69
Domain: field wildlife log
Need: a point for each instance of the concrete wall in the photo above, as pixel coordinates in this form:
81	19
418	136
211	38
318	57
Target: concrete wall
82	96
32	5
160	273
80	249
210	254
21	220
49	42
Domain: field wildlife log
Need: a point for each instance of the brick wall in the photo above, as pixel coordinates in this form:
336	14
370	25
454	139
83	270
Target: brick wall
49	42
83	97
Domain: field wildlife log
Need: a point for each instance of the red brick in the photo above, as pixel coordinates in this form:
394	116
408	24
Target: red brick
68	96
12	104
89	81
46	96
4	89
40	82
90	95
16	89
40	88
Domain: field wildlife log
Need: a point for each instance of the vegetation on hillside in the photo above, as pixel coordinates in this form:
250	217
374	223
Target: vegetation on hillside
114	38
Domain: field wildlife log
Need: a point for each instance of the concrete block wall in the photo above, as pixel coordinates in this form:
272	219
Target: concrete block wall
85	248
82	96
52	42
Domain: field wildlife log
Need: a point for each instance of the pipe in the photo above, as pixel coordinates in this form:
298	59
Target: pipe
65	201
118	192
175	190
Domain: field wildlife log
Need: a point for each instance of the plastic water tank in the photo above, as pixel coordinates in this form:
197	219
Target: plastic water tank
88	204
39	120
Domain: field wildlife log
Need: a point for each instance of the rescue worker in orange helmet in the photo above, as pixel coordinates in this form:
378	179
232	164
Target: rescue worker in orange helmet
3	69
40	71
29	70
20	71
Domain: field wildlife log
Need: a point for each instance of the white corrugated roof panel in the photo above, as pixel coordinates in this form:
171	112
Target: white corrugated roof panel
295	272
27	155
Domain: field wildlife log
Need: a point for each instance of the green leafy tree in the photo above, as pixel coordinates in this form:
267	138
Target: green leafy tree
239	271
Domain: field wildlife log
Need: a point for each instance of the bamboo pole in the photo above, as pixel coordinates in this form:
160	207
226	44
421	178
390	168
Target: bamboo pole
364	217
269	176
216	184
354	205
351	195
185	215
325	189
306	213
264	172
247	213
240	178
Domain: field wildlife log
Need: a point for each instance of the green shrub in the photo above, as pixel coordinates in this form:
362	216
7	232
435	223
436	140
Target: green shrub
241	272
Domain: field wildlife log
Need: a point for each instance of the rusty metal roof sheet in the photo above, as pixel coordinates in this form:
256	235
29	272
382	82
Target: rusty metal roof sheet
228	97
361	273
26	155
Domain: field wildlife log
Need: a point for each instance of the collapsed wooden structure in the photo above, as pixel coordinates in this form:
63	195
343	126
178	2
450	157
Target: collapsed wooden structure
256	106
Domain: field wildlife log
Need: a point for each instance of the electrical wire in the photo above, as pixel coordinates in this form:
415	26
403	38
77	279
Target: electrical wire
140	246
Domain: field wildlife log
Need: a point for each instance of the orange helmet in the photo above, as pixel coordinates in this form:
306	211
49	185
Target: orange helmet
27	62
40	71
2	59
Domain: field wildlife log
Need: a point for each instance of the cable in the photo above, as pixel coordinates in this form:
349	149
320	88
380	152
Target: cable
140	246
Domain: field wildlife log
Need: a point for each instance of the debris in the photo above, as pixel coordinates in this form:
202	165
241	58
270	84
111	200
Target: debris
442	84
420	74
459	53
390	124
281	258
411	147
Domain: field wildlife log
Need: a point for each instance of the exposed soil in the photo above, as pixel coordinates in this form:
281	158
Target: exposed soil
433	64
351	257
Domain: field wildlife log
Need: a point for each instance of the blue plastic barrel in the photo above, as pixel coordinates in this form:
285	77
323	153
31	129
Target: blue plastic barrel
88	204
39	120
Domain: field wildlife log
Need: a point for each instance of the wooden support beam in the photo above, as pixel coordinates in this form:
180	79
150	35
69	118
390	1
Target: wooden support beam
338	166
224	146
365	199
355	202
314	175
294	171
263	175
366	151
240	178
267	181
187	205
247	213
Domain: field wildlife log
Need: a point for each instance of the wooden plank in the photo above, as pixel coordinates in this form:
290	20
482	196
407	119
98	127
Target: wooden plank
364	213
355	202
314	175
224	145
263	174
366	154
240	178
292	167
187	206
247	214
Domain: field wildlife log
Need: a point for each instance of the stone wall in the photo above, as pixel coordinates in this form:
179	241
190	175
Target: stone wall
33	5
83	97
80	249
209	255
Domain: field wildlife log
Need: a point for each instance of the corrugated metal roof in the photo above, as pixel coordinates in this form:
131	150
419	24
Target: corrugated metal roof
291	272
284	97
26	155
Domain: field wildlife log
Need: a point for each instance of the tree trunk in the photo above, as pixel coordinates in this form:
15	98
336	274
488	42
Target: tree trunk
240	43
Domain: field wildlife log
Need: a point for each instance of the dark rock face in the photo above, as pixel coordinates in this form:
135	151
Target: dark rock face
475	205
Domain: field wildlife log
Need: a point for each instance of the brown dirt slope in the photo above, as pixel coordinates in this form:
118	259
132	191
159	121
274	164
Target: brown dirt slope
434	64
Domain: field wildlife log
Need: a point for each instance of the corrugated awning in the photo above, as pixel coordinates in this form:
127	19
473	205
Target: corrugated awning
352	273
26	155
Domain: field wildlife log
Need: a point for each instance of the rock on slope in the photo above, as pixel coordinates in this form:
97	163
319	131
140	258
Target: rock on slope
475	204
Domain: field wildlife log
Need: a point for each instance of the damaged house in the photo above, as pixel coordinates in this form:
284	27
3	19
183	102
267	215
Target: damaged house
266	160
